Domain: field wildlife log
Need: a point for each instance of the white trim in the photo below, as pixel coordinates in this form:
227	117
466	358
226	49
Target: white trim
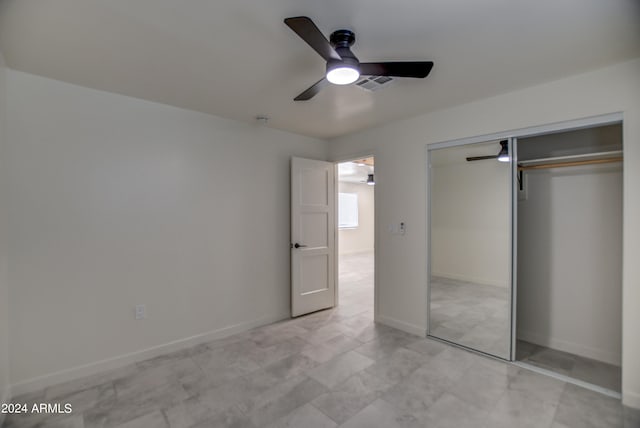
568	379
571	347
336	238
401	325
631	398
513	274
428	267
41	382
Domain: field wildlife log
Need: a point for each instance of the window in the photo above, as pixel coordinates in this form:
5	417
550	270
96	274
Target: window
347	210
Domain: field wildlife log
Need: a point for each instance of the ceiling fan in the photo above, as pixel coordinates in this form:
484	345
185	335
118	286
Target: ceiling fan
502	156
370	180
343	67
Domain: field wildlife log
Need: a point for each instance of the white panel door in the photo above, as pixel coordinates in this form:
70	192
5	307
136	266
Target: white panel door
312	236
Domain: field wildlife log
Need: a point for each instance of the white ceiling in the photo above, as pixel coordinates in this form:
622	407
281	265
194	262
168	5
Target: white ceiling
236	58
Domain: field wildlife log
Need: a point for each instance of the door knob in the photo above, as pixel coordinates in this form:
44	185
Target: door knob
298	245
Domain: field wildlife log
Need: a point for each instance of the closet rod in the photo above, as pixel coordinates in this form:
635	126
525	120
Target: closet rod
596	155
564	164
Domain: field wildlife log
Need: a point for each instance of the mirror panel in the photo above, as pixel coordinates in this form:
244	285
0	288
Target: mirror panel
470	248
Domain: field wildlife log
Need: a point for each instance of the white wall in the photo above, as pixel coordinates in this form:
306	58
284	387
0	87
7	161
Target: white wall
399	149
4	305
470	215
570	260
114	202
359	239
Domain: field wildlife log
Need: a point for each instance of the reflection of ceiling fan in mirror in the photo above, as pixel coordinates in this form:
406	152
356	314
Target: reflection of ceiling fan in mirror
502	156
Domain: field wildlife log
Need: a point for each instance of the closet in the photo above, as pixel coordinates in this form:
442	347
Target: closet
569	254
525	248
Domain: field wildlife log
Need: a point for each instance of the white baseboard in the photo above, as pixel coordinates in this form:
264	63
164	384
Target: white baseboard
41	382
481	281
571	347
401	325
631	398
5	397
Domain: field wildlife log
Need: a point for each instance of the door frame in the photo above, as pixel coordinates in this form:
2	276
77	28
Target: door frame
376	228
512	136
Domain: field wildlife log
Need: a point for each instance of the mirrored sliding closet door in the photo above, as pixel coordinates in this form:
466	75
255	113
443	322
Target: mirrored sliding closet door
470	246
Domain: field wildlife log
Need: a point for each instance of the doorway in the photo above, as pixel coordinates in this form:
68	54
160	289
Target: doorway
356	238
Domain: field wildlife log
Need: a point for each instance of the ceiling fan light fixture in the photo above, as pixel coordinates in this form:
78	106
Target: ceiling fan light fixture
503	156
370	180
342	72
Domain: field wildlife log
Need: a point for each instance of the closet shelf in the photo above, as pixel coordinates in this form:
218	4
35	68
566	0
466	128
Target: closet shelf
573	160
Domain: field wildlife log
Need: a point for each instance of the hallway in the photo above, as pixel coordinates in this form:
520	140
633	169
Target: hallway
356	283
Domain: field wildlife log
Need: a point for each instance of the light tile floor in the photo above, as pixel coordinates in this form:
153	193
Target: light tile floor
473	315
571	365
332	368
477	316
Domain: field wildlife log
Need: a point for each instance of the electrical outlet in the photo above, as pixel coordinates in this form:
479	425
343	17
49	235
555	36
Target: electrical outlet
141	312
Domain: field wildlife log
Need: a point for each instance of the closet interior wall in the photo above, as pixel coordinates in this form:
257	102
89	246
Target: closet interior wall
569	255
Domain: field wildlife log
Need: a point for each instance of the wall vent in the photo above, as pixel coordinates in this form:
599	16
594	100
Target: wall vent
373	83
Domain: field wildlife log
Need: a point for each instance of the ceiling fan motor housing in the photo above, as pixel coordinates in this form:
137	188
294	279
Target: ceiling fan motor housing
341	41
342	38
346	69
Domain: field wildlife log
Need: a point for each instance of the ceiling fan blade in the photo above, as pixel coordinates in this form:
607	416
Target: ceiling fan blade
418	69
312	90
476	158
305	28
